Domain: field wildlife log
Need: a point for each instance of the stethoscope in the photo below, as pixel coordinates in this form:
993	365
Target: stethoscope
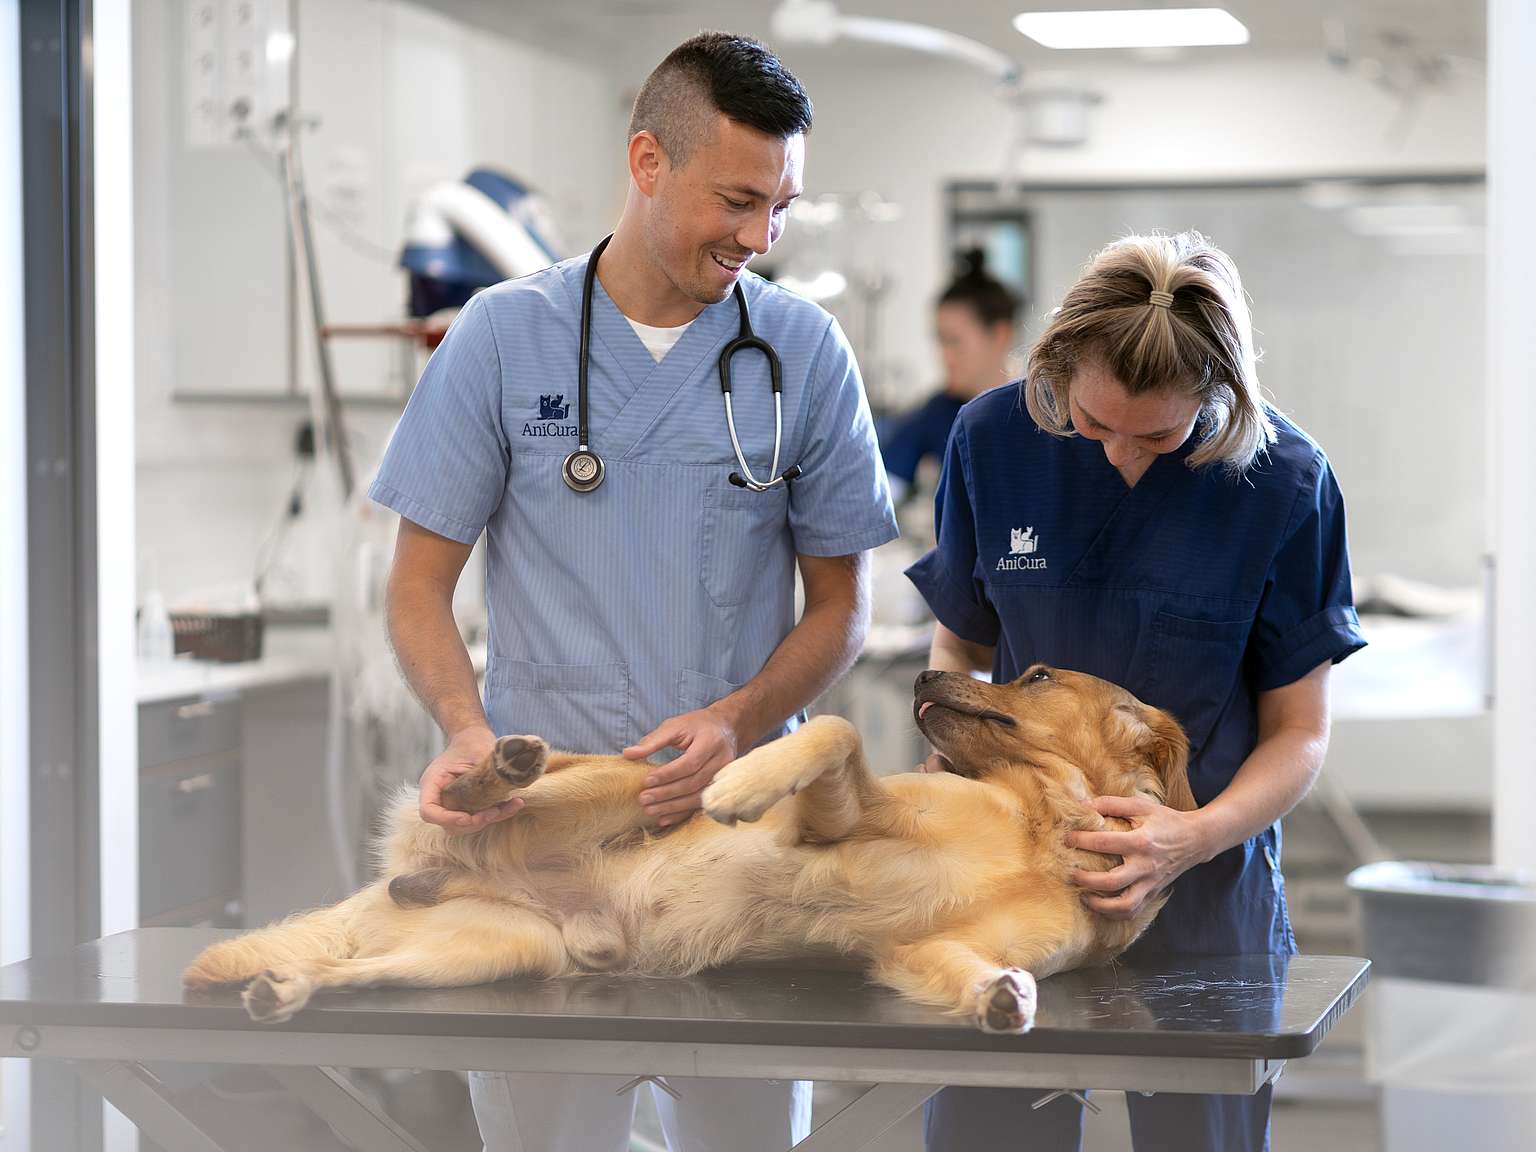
583	469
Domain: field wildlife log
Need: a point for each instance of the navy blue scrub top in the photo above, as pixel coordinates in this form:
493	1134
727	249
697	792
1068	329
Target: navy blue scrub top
907	440
1194	590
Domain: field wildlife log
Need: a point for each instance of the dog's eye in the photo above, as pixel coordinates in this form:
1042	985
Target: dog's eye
1037	676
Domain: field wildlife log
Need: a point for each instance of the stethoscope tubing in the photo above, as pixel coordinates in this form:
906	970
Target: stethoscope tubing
583	469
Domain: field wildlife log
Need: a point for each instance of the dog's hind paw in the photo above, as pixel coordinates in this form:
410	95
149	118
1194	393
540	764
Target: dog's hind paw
519	760
515	762
276	995
1006	1003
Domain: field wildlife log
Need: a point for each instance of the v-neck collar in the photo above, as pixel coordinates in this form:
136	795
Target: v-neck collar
648	385
1134	512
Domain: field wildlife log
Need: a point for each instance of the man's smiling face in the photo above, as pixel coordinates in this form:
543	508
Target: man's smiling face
728	203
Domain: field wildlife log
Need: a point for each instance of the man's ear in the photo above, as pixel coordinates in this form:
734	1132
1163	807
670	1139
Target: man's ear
1167	750
646	159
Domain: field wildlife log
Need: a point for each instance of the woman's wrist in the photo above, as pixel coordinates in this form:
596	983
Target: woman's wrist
1210	831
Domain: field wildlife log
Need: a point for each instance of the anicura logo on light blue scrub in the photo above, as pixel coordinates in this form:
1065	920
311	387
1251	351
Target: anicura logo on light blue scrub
552	407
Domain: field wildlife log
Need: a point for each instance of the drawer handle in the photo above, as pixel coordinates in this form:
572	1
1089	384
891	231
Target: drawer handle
195	711
199	783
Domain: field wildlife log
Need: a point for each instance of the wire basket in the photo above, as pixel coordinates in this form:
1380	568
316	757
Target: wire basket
225	638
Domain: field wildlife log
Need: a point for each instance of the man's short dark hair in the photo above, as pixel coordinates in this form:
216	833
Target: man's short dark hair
711	73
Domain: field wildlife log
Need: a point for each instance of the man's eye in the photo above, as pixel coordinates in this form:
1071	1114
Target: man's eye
738	205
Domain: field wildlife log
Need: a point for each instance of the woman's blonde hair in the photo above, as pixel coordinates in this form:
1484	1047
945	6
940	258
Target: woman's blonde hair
1159	312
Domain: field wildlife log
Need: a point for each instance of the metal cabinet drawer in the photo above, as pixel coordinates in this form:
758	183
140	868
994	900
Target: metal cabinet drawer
189	833
182	729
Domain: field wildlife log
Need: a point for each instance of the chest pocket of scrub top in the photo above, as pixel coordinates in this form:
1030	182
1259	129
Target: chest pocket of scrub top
737	528
1193	669
583	707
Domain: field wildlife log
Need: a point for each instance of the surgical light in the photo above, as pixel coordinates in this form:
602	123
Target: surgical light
1133	28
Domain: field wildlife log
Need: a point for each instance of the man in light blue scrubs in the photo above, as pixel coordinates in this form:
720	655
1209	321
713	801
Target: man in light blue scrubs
655	612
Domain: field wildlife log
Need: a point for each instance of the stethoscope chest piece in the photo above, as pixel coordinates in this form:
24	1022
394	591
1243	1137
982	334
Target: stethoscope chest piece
583	470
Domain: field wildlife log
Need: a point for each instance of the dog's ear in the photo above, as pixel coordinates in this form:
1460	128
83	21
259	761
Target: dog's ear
1167	749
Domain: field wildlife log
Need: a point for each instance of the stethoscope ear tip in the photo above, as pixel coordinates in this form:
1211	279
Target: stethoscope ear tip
737	479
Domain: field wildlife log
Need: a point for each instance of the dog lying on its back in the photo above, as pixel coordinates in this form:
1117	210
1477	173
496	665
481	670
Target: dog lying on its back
952	887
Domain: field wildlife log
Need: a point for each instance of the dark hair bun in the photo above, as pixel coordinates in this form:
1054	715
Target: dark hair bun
989	298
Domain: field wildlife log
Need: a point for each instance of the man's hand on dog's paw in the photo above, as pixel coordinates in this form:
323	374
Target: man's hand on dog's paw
467	750
1006	1004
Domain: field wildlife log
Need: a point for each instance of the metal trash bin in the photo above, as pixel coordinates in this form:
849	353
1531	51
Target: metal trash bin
1451	1021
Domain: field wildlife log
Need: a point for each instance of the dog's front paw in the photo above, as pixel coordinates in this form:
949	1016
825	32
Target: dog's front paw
275	995
1007	1003
739	793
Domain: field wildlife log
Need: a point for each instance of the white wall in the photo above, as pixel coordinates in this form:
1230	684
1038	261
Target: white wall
1511	350
406	97
906	127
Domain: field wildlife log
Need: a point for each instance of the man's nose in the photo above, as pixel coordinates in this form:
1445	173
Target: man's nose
757	235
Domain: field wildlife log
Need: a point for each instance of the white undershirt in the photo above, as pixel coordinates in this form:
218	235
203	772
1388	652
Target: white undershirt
658	341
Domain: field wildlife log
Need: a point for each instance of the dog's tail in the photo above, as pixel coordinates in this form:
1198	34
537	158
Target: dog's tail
324	933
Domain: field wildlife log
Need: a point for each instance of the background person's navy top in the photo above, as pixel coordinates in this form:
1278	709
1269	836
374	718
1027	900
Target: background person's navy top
1193	590
907	440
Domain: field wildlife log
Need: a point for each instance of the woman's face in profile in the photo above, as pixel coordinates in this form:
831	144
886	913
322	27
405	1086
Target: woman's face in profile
975	354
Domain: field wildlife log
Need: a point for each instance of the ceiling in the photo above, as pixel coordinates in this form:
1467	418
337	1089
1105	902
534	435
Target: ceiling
605	28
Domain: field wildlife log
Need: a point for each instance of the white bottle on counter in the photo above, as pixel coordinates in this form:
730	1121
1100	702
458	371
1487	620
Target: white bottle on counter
157	643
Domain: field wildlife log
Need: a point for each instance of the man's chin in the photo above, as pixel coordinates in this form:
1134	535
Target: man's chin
712	294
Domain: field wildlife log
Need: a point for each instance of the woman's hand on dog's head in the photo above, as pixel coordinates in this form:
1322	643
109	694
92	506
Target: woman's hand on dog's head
468	749
1162	844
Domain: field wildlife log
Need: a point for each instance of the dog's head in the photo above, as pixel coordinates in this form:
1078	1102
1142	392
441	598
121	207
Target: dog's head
1050	715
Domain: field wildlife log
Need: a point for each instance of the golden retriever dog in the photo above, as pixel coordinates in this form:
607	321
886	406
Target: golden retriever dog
952	888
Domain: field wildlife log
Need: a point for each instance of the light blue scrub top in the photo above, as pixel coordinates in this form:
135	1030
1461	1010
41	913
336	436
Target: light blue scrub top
666	588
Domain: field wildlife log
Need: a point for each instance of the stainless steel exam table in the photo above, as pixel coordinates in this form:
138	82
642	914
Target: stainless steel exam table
1220	1024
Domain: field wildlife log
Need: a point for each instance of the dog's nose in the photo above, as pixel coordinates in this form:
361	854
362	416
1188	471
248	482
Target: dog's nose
926	675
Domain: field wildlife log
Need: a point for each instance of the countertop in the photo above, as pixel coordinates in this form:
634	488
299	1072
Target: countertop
287	655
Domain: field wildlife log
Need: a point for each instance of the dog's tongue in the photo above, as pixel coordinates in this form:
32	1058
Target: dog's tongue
923	707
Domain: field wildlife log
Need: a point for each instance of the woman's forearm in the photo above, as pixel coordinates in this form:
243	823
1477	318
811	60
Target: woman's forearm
951	653
1277	774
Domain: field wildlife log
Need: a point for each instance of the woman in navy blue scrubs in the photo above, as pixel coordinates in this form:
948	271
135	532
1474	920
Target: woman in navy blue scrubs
1135	510
974	325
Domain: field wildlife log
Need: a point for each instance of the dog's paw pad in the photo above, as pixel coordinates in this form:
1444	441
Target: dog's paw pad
1007	1003
520	760
275	996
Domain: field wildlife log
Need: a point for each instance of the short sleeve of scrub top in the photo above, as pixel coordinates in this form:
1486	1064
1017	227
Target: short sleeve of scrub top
949	576
841	502
913	436
1306	614
446	465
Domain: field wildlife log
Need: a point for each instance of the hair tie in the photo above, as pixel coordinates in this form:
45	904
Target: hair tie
1161	299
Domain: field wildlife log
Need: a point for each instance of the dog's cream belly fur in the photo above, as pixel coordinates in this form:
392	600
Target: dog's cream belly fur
712	895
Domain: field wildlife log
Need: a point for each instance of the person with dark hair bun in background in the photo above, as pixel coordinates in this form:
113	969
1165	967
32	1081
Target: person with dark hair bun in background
976	327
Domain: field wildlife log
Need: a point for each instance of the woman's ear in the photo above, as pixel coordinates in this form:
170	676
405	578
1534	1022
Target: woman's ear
1167	750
